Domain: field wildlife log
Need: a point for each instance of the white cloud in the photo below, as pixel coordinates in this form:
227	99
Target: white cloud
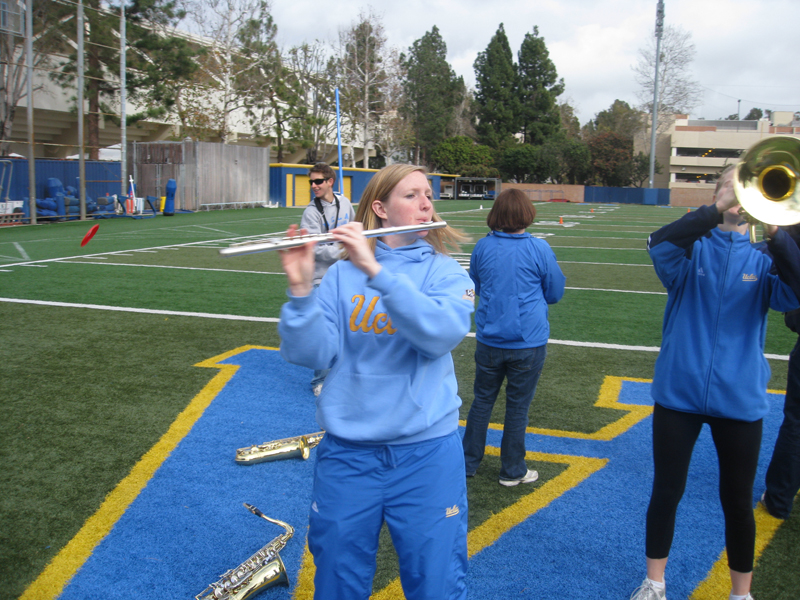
745	50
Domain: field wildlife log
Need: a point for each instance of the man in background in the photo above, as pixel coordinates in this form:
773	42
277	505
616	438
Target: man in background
783	474
327	210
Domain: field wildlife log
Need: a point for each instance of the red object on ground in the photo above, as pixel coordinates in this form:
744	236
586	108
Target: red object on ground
89	235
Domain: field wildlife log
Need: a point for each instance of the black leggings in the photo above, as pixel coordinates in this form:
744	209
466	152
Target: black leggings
737	444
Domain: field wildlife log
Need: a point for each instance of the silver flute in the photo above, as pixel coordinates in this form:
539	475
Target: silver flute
293	242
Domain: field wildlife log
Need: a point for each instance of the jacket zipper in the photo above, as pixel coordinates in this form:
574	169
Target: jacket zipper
716	325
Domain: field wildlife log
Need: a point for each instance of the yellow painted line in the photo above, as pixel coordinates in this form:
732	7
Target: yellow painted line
579	469
70	559
717	583
608	398
488	532
304	590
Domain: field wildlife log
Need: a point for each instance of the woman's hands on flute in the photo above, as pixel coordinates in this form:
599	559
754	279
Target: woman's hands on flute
298	264
358	249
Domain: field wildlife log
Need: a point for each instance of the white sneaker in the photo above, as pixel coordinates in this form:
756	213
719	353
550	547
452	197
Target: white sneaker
646	591
529	477
317	389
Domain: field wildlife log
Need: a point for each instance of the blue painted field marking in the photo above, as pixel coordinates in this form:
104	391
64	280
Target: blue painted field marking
188	525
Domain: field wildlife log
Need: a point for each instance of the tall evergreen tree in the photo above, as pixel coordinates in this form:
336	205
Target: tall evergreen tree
270	89
159	63
619	118
431	91
496	91
538	88
612	159
100	26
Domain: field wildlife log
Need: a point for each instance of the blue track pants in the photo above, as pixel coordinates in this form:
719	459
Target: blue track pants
420	491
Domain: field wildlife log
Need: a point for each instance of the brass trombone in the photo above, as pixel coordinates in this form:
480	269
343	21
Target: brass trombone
765	182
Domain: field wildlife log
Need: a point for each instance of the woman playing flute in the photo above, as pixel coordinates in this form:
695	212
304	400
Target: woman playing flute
385	320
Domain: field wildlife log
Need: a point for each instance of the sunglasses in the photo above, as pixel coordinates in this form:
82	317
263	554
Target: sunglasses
317	181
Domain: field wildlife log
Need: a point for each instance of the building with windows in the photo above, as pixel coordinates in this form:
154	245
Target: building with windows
692	153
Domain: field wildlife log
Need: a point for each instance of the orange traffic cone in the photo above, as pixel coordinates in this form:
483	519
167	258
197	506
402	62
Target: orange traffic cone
560	220
591	210
688	210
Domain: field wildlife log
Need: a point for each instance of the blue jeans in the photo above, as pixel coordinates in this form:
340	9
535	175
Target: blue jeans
783	474
522	368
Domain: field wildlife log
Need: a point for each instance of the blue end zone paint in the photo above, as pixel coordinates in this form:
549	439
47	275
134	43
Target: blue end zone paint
188	525
589	543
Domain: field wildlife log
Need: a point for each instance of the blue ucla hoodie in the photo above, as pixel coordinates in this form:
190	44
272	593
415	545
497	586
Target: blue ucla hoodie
719	289
388	340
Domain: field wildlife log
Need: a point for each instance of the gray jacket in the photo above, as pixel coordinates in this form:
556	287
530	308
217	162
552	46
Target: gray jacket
321	222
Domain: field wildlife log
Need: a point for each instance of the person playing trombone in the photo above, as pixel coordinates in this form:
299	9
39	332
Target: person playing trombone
387	318
712	370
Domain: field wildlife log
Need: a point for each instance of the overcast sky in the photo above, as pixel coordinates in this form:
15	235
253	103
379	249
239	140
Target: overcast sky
746	49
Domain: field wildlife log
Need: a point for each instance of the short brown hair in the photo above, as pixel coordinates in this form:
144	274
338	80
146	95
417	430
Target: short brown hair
323	169
380	188
511	212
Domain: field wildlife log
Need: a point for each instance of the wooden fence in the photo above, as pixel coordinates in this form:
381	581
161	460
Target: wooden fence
208	175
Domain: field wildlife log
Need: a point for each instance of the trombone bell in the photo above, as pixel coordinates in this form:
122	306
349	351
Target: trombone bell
765	181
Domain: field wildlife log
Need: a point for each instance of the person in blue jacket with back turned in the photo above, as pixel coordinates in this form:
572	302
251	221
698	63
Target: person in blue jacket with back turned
712	369
389	313
516	277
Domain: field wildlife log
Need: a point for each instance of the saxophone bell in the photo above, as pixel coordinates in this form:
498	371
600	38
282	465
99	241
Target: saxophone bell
262	570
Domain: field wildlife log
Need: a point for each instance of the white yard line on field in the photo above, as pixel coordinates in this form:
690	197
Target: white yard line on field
80	262
149	311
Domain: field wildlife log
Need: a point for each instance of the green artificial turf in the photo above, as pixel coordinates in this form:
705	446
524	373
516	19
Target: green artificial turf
86	392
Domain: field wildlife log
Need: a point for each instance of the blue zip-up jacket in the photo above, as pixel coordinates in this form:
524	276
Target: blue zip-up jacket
715	322
792	318
389	339
516	276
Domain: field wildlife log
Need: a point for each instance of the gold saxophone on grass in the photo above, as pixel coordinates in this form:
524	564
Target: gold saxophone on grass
262	570
300	445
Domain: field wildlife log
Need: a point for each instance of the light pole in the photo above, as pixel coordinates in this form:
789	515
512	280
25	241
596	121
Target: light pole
659	31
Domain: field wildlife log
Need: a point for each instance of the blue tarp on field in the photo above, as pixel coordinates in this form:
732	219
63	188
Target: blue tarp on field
585	539
603	195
